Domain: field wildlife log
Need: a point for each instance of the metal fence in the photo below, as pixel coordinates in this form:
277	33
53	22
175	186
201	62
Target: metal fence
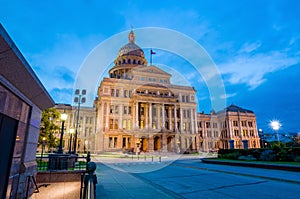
61	162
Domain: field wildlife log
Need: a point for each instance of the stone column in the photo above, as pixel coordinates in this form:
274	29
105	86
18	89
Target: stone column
158	116
175	119
164	143
192	121
107	116
150	115
120	116
163	115
170	118
151	144
136	125
181	118
146	125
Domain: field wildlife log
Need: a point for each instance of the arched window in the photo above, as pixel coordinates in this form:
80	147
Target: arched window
129	61
139	62
119	62
124	61
134	62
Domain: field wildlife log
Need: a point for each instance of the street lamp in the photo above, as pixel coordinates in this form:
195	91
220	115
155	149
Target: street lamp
260	133
70	145
275	124
43	147
178	145
79	99
63	118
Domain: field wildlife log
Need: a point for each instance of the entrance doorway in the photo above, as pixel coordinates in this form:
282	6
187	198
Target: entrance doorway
170	144
157	143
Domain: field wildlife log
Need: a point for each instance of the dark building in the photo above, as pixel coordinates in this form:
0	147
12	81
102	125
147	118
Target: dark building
22	99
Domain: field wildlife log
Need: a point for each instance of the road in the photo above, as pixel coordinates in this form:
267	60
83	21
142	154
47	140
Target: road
193	179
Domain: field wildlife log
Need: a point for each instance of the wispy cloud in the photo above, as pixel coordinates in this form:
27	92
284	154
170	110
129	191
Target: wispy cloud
227	95
251	69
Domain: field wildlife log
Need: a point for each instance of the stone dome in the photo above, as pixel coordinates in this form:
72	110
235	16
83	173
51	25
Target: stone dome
130	54
131	49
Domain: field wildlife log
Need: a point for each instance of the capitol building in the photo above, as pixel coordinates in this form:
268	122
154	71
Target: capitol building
138	109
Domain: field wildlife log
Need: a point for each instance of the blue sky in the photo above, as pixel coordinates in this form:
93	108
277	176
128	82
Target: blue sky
254	44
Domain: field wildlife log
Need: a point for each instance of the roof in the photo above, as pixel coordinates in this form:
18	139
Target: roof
234	108
16	70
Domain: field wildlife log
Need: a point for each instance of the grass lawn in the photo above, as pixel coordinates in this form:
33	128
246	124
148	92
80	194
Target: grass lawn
257	161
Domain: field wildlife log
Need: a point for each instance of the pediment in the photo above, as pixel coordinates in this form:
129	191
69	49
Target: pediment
151	69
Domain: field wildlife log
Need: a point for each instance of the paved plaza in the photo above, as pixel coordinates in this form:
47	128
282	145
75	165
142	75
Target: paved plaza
186	177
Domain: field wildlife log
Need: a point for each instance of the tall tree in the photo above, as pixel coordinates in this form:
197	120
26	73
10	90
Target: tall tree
49	127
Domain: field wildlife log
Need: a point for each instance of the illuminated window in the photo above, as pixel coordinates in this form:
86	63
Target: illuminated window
129	124
124	124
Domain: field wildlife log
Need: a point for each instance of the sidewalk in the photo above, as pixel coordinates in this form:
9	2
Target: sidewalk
117	184
61	190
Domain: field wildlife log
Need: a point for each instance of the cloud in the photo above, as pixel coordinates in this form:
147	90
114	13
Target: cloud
249	47
251	70
226	96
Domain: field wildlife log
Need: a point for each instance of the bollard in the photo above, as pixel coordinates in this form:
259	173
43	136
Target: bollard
152	158
159	158
145	157
138	157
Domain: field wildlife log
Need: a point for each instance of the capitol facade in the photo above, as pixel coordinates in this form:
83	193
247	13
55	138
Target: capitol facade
138	109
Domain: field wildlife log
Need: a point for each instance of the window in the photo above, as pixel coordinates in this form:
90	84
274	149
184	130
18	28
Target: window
245	132
142	111
112	92
110	142
183	98
117	92
111	124
215	125
250	124
188	114
207	124
184	113
235	123
192	98
236	133
125	110
128	124
129	93
244	123
124	124
111	109
187	98
129	110
116	109
184	126
199	124
125	93
115	142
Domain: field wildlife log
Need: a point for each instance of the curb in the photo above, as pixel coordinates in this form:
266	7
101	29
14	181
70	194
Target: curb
250	164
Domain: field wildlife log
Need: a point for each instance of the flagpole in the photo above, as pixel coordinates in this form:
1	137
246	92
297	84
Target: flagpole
151	57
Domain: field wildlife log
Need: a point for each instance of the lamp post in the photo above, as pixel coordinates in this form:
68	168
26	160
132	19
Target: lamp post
63	118
260	133
43	147
275	124
70	144
79	99
178	145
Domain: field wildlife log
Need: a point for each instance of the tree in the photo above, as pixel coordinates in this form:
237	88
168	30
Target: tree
49	127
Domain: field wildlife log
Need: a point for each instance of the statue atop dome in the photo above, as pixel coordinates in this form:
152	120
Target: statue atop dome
131	37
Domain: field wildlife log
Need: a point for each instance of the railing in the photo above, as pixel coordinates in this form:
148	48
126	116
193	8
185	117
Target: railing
89	180
61	162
